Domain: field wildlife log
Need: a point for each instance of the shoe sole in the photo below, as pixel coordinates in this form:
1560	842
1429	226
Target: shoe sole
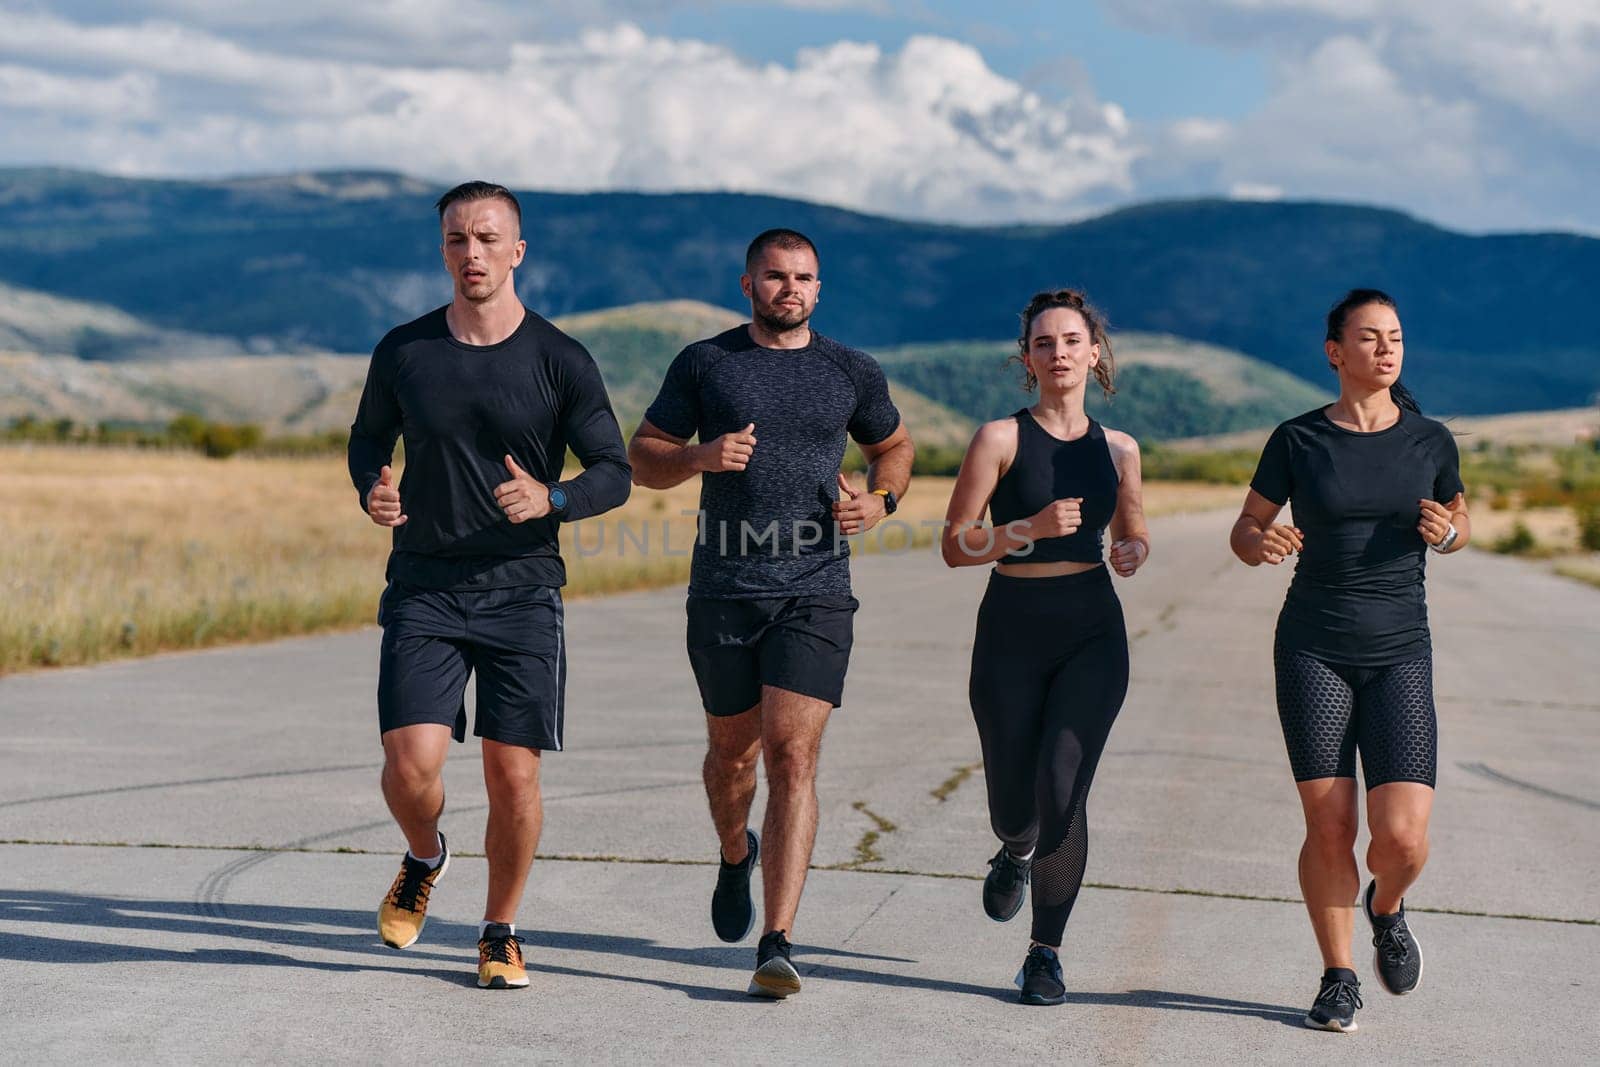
1038	1001
445	866
1421	963
1376	955
775	980
499	982
755	856
1332	1026
1007	917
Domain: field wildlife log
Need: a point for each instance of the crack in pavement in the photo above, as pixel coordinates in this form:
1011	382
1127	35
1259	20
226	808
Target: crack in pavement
842	868
866	852
945	789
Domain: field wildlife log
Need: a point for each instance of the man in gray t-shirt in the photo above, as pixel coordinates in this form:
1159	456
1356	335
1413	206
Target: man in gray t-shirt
770	612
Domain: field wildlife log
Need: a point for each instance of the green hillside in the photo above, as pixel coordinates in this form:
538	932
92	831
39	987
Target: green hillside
42	378
1166	387
330	261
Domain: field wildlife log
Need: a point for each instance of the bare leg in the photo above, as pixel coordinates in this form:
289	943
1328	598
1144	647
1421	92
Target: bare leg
733	747
413	786
511	774
791	740
1397	814
1329	879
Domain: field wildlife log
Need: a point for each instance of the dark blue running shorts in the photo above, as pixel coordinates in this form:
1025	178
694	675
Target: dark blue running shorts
798	643
511	638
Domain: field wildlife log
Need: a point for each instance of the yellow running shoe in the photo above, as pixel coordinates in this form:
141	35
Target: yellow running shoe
500	959
405	907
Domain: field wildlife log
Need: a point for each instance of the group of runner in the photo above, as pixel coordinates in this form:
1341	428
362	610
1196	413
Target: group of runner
489	397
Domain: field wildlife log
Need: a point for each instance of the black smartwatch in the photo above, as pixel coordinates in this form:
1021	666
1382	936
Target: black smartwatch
558	498
889	500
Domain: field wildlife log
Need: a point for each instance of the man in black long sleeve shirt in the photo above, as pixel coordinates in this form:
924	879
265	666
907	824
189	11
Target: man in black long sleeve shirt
489	396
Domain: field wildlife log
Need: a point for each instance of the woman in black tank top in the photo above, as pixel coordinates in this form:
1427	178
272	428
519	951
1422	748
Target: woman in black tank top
1050	655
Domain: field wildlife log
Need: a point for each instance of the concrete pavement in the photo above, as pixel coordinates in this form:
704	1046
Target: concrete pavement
260	765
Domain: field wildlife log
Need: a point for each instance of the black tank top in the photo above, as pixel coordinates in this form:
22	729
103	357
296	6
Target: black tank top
1047	468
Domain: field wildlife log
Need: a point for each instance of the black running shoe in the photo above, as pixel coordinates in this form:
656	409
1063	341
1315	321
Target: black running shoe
1005	886
1040	978
775	976
732	911
1396	956
1337	1001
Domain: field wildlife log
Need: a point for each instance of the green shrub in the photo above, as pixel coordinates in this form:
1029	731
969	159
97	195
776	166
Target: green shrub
1589	526
1519	542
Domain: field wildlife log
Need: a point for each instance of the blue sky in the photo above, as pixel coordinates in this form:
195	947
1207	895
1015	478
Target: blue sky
1048	46
1478	114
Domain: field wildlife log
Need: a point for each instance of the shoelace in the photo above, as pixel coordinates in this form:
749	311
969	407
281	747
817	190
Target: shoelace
412	886
502	949
1339	994
777	946
1391	942
1038	963
1008	869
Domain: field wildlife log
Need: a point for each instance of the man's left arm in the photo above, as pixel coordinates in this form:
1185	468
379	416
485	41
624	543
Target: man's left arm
888	471
596	439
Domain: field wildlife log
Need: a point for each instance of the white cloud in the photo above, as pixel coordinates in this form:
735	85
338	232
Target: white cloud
1479	113
928	130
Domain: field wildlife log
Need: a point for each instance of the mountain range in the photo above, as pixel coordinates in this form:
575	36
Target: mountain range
330	261
1172	388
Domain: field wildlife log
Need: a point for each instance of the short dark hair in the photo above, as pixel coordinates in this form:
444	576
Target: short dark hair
789	240
480	191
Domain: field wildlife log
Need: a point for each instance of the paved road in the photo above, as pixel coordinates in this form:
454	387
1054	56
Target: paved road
253	937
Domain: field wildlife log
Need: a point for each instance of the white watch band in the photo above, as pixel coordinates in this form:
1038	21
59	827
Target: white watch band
1449	539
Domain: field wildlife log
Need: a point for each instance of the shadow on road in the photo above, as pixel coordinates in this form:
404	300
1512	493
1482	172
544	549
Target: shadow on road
290	927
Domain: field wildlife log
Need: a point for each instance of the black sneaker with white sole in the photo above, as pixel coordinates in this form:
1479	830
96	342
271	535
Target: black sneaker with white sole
1005	887
1396	956
1336	1003
775	976
733	913
1040	978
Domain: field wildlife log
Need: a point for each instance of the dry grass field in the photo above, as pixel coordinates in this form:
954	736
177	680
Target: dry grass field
107	553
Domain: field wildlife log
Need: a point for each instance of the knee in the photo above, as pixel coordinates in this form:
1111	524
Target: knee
517	782
1331	835
408	774
732	758
791	765
1399	846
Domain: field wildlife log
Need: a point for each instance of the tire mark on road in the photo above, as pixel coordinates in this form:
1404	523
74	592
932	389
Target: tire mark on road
211	894
1483	770
662	861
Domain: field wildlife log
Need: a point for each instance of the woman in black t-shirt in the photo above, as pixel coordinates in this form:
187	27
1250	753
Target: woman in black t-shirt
1374	486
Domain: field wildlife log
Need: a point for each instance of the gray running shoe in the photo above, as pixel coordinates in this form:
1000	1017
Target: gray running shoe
1336	1003
1396	956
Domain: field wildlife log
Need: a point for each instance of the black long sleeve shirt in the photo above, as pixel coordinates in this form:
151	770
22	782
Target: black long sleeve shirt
462	409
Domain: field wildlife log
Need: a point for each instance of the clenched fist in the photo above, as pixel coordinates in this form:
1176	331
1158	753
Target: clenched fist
1057	519
1128	556
730	452
858	512
383	501
524	497
1434	521
1277	541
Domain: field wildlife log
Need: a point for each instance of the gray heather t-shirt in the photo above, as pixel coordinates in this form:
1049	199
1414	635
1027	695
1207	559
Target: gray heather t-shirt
768	530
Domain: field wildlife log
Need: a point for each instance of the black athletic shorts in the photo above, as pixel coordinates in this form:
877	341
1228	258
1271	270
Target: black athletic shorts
511	639
1329	710
800	643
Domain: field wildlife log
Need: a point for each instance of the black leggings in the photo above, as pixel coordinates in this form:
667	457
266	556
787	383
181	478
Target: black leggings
1049	671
